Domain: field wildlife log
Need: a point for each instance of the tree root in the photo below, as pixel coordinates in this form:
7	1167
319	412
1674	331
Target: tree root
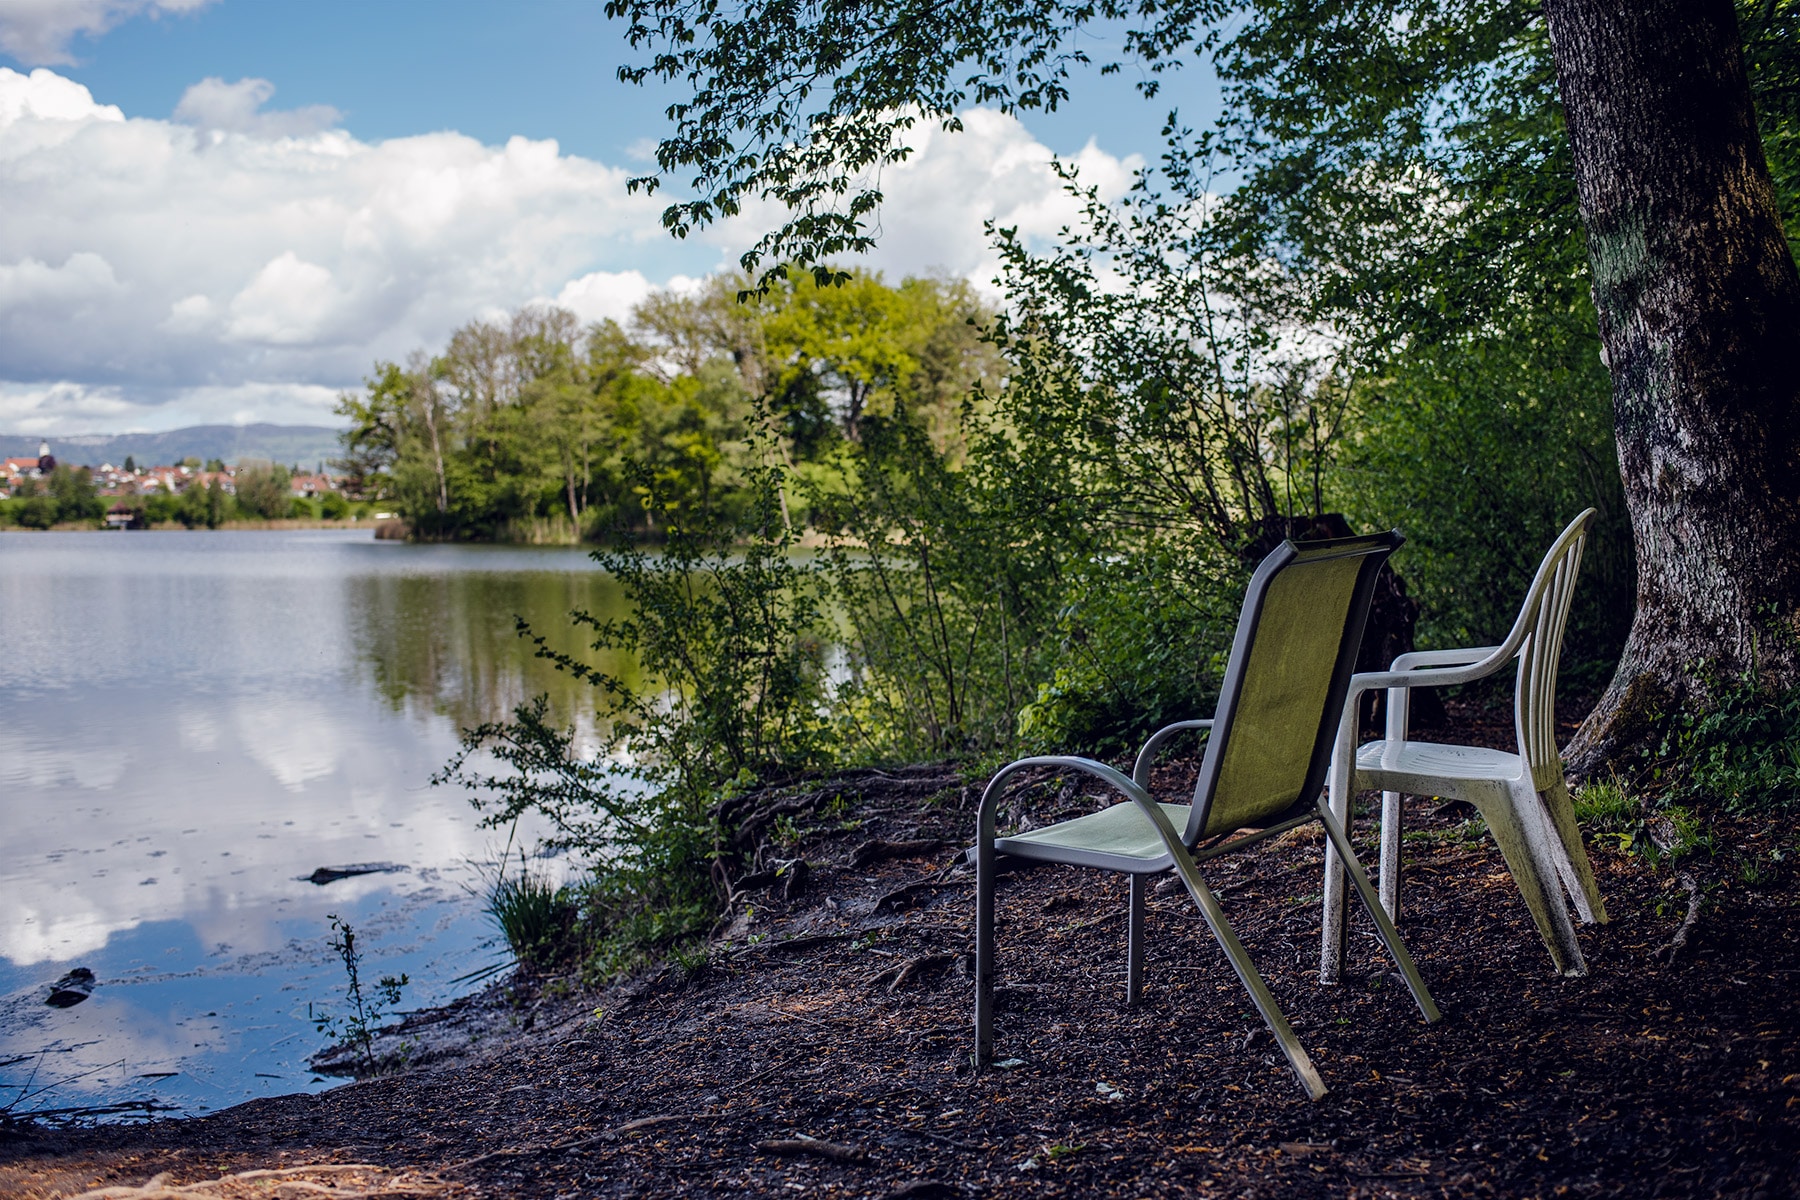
893	898
898	977
1668	952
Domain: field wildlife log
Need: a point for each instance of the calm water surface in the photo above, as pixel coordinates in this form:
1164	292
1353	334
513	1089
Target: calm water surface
193	723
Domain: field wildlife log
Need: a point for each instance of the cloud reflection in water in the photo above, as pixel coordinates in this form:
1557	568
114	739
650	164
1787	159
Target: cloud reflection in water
196	722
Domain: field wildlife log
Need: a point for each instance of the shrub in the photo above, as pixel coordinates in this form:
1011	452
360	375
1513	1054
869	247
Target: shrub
36	512
1143	639
726	630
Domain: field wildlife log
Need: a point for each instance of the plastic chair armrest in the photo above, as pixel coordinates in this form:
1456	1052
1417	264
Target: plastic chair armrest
1441	658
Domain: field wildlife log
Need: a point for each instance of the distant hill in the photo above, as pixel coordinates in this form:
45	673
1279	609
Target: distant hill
303	445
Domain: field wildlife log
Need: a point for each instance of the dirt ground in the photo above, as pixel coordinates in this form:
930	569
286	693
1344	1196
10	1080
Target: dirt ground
823	1047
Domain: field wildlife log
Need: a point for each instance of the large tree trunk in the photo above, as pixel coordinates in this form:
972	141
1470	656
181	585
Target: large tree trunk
1699	308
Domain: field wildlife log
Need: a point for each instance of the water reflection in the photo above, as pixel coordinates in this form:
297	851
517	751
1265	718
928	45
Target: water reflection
196	721
447	642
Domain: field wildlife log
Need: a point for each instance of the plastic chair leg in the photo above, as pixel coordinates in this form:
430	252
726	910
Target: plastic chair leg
1571	855
1390	936
1134	938
1521	835
1331	907
1390	854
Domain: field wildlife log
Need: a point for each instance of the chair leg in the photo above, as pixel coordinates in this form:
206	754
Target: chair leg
1390	854
1571	859
1247	974
1134	938
1383	924
1520	836
984	955
1331	908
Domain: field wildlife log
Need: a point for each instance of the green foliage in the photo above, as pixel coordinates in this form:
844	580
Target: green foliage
74	494
1604	807
1143	641
1742	752
805	104
1771	30
1147	387
538	429
1482	448
35	512
334	507
68	496
725	629
263	491
357	1025
210	505
161	507
945	598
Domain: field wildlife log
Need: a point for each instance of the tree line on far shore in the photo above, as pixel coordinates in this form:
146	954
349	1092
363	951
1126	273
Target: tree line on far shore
540	428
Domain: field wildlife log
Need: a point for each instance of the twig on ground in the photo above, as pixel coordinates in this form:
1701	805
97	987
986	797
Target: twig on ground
605	1135
802	1144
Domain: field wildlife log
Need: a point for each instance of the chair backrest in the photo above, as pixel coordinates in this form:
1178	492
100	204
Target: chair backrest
1285	683
1538	634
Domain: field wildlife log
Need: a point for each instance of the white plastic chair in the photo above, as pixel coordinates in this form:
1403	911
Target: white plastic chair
1524	797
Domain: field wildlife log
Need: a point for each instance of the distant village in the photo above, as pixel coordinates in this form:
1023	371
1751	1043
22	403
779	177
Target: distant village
137	492
134	480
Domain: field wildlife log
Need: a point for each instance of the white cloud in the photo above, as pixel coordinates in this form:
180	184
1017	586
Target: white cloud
237	108
604	295
39	31
237	264
144	262
65	407
936	201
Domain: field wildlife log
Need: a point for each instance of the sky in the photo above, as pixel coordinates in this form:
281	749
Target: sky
226	211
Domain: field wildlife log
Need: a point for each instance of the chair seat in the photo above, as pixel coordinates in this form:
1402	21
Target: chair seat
1120	838
1430	768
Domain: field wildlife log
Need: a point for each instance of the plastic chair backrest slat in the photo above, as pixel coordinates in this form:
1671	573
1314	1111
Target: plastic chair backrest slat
1546	615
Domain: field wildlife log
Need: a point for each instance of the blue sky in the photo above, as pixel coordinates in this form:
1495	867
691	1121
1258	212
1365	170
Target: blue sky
541	68
228	210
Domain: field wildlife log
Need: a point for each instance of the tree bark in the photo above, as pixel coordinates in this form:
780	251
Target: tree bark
1699	306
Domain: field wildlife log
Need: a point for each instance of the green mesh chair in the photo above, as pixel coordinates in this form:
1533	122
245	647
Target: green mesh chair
1267	751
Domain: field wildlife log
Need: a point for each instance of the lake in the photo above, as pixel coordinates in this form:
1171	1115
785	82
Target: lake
195	722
